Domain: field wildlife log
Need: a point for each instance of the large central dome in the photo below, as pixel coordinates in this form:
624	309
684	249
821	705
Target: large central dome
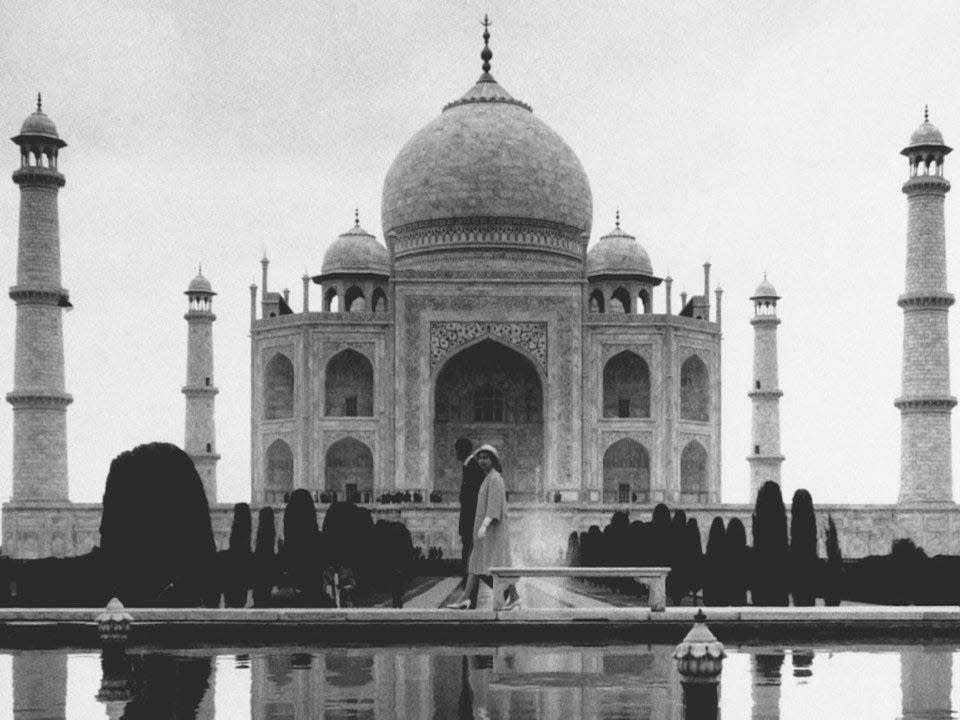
487	161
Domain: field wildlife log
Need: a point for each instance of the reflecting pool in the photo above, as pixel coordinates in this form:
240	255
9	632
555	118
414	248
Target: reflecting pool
436	683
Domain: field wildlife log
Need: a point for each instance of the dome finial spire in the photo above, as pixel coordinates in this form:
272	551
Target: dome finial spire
487	52
356	216
39	103
618	218
926	113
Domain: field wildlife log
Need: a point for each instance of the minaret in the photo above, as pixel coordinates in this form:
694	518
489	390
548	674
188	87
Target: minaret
38	398
765	457
925	404
200	442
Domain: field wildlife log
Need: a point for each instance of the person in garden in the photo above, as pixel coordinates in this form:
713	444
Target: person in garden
469	489
491	534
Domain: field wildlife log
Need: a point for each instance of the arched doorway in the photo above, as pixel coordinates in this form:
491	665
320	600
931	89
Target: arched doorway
626	472
490	393
348	470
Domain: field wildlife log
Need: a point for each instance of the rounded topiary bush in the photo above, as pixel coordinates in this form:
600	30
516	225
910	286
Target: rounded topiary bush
155	532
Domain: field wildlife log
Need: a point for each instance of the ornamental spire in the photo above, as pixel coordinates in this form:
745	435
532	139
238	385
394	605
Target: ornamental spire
39	103
356	216
618	218
926	113
487	52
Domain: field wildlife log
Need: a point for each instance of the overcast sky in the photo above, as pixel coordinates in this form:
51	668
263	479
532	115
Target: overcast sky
760	138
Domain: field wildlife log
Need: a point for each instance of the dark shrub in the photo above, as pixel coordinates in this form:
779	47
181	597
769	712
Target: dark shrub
301	558
676	552
737	562
833	576
264	560
573	550
770	548
237	575
693	557
713	580
804	563
155	531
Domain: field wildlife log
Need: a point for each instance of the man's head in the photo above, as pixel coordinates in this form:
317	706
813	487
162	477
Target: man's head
462	448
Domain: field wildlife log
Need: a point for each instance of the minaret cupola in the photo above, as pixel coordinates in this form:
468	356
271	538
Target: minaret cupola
39	141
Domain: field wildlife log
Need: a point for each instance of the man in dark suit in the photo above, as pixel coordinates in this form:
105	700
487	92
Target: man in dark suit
469	489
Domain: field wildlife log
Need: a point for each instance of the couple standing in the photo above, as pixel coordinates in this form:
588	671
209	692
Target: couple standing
484	528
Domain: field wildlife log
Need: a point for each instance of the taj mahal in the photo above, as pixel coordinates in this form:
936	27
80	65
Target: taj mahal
491	311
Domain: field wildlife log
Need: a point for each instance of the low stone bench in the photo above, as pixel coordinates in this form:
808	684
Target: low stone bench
654	578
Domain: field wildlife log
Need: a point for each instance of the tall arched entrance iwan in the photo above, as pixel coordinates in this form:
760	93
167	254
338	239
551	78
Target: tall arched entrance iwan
489	393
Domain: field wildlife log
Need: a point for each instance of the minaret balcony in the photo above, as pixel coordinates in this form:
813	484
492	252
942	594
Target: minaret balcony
39	399
932	299
199	390
926	403
926	185
38	175
765	394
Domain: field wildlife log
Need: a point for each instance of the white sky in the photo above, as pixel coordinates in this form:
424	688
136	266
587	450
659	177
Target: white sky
760	138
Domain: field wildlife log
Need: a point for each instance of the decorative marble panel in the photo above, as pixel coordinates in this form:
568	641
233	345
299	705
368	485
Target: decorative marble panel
531	337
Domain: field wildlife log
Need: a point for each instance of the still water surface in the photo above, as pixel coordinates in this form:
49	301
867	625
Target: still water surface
439	683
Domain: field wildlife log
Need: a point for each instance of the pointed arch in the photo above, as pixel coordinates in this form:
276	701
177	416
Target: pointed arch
596	301
626	472
331	300
278	388
626	386
279	468
644	301
354	299
621	296
348	470
694	390
379	301
489	391
693	473
348	385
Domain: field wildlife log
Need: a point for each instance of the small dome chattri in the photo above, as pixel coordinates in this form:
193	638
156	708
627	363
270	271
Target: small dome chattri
200	285
618	253
38	124
765	290
356	252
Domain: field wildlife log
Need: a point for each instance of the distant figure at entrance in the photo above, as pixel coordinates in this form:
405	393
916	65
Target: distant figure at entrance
491	541
469	489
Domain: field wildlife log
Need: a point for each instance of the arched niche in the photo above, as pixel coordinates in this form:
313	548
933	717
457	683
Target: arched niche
278	388
626	472
489	393
693	473
694	390
348	385
348	470
626	386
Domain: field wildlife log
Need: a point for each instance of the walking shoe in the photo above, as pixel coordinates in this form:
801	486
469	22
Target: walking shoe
511	604
462	605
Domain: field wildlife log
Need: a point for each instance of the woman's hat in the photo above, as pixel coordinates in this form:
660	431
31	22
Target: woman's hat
486	447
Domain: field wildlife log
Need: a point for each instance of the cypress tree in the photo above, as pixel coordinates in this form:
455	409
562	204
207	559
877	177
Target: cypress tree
149	490
833	581
301	545
694	557
238	580
677	579
660	537
264	567
770	548
803	549
737	562
713	581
